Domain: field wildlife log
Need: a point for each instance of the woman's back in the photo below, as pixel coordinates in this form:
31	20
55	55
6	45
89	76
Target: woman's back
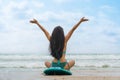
58	44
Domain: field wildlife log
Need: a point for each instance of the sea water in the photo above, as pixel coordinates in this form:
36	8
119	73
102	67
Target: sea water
91	61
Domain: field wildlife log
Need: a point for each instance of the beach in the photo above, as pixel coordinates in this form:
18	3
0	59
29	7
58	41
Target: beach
87	67
37	74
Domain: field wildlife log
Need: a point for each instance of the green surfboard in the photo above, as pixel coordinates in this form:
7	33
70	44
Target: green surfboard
56	71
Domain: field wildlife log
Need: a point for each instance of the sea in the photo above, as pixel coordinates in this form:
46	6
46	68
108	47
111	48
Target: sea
82	61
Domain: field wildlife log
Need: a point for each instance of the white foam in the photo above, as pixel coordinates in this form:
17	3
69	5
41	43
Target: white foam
37	61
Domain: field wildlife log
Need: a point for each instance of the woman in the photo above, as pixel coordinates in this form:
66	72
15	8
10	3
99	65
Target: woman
58	44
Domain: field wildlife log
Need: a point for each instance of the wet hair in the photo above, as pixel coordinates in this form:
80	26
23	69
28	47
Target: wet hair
57	42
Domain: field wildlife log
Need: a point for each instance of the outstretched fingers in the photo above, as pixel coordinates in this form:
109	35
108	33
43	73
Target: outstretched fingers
84	19
33	21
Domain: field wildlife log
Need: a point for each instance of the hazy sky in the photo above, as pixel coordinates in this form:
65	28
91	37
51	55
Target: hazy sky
100	35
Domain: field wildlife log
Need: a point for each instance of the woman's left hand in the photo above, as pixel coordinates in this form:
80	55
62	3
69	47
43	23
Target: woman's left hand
83	19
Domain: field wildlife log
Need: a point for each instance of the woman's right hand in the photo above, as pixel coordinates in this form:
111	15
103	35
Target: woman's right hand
34	21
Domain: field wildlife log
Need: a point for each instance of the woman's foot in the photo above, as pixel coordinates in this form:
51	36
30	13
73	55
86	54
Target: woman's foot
69	64
47	64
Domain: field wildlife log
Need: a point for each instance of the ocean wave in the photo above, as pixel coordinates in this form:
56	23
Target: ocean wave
37	61
44	57
39	64
75	66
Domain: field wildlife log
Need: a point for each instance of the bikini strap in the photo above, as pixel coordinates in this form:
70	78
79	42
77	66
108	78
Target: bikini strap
58	61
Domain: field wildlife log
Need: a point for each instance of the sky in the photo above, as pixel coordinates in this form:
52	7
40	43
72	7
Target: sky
101	34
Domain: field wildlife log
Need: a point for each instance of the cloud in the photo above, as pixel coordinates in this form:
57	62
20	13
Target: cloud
16	35
38	4
100	34
106	7
66	1
61	1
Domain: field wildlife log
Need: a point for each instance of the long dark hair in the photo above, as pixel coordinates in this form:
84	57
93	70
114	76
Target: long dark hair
57	42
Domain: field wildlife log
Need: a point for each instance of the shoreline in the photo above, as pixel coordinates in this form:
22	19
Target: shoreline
37	74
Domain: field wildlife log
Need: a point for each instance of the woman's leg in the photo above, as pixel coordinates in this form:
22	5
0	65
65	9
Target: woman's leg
47	64
69	64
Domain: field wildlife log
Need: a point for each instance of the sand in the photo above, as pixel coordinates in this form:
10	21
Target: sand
37	74
80	78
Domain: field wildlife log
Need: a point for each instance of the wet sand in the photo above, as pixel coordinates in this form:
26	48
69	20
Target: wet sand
37	74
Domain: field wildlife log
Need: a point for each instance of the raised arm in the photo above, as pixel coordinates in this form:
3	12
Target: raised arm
42	28
74	28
